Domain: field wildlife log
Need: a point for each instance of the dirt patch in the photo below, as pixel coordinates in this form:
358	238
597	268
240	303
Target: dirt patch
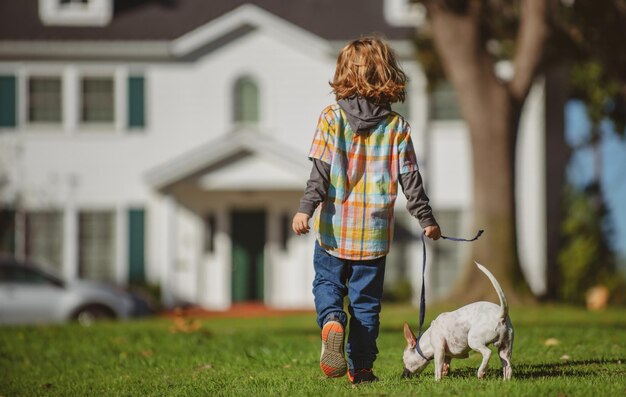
239	310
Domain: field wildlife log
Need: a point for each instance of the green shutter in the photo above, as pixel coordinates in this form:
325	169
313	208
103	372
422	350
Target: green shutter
7	231
8	99
136	102
136	245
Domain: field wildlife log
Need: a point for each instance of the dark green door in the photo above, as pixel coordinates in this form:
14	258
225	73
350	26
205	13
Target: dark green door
248	234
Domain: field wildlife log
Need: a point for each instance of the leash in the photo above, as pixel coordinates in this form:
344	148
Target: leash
423	292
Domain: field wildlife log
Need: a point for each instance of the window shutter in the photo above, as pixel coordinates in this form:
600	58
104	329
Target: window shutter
8	99
136	245
7	231
136	102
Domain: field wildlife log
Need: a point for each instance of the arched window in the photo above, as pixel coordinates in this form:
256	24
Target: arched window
246	98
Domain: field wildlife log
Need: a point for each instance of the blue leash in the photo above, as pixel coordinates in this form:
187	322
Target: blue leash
423	293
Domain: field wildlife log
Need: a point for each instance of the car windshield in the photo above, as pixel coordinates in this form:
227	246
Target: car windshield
14	273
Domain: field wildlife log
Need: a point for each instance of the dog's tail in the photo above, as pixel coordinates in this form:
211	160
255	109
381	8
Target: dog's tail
503	304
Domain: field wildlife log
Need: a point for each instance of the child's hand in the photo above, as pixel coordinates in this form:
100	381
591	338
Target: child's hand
300	223
432	232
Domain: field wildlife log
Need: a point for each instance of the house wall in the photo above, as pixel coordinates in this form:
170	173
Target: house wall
71	167
530	192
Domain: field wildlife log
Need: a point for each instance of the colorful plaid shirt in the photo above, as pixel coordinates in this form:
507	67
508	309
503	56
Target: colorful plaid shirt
355	220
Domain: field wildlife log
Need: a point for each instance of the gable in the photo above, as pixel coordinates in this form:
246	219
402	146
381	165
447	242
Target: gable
240	22
238	160
251	171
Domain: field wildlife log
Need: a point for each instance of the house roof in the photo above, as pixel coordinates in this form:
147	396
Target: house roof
242	159
239	22
156	20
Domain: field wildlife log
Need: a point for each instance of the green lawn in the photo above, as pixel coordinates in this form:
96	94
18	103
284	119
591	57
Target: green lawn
279	356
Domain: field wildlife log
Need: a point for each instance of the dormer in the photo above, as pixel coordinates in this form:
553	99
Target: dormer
75	12
404	13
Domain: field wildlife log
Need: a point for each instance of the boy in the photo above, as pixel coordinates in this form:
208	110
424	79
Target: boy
360	151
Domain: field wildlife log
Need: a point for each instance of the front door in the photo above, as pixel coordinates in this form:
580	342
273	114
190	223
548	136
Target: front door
248	236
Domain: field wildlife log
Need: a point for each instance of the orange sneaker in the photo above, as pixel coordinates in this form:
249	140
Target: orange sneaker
362	376
332	360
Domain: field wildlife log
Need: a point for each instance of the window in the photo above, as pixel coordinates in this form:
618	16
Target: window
97	99
404	13
96	245
44	99
8	100
246	98
97	105
75	12
444	104
44	238
403	108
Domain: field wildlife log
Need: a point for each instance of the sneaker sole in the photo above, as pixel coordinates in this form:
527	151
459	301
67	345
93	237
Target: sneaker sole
332	361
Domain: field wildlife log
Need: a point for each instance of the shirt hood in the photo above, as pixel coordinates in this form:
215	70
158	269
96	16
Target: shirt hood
362	114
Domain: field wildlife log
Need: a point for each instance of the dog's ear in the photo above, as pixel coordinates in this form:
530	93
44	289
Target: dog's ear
411	340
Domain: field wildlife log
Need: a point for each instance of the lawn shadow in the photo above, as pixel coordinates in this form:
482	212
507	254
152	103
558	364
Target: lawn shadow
413	324
544	370
565	368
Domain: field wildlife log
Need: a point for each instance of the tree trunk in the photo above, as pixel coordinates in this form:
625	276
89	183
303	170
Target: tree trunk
493	131
556	156
491	109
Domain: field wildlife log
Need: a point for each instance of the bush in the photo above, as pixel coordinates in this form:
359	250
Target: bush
586	259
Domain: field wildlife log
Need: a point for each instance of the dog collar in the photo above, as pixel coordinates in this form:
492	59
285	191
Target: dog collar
419	351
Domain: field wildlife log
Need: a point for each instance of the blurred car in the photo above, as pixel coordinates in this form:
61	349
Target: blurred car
29	294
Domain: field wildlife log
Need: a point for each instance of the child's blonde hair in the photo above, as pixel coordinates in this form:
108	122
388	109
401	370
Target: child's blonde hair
368	67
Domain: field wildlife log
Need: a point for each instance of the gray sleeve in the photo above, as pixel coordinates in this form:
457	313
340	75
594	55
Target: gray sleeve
417	205
316	187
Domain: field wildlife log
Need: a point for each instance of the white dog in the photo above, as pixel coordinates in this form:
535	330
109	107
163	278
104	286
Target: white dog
453	334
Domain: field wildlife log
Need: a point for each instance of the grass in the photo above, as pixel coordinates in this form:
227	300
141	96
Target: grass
279	356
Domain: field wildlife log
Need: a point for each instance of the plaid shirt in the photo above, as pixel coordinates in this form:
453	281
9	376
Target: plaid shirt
355	220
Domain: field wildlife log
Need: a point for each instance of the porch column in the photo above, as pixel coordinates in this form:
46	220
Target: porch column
70	242
121	245
214	274
222	273
168	249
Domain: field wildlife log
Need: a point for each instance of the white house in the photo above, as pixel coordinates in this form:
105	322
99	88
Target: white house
166	142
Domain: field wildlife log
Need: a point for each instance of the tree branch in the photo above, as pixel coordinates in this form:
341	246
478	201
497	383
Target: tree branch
531	37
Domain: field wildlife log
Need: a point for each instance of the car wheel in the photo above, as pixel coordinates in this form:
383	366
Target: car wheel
89	315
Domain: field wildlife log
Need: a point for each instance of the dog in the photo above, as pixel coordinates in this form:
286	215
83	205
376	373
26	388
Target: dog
453	334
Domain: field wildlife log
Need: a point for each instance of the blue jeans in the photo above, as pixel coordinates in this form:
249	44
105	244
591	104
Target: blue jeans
362	281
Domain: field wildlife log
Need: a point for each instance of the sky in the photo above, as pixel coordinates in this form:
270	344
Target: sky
613	179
